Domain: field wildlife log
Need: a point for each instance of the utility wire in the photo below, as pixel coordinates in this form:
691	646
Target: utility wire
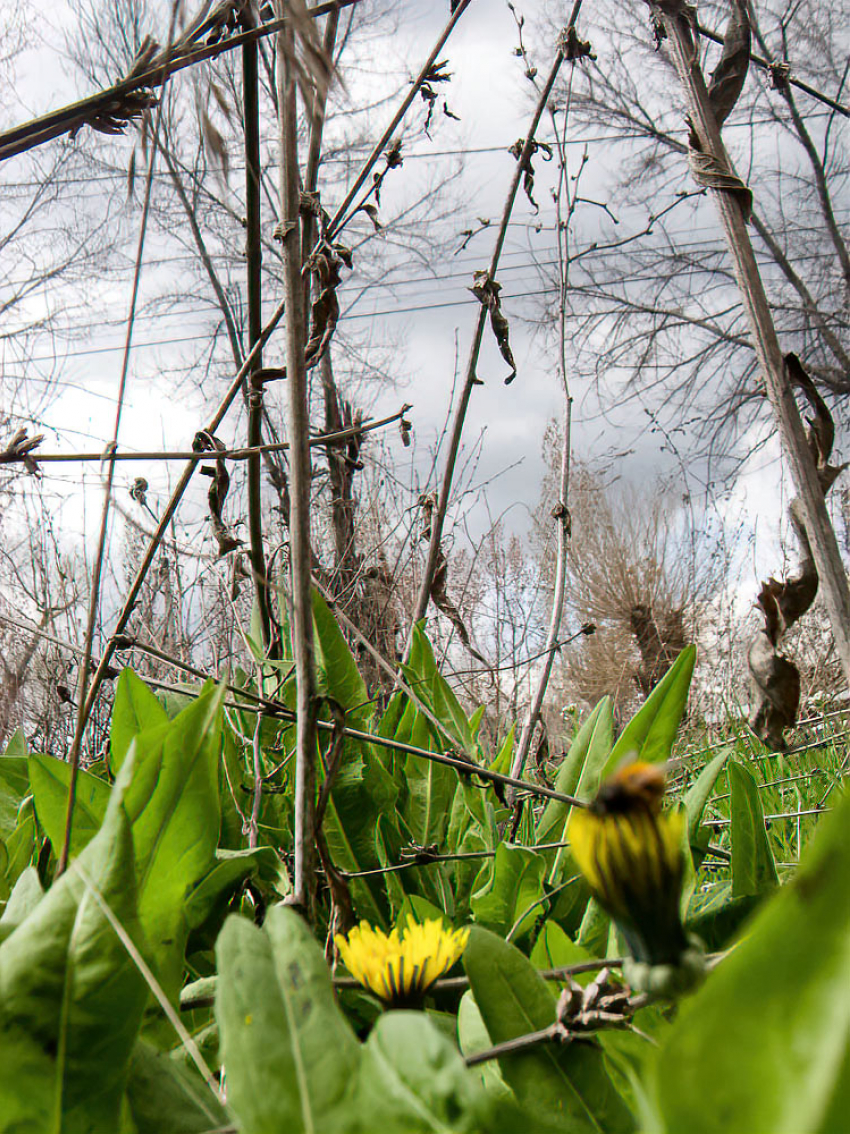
463	151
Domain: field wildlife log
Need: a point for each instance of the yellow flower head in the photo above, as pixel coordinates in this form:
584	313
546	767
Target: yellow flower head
630	853
400	967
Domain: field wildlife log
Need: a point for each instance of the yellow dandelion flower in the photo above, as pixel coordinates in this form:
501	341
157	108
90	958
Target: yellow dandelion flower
401	966
630	853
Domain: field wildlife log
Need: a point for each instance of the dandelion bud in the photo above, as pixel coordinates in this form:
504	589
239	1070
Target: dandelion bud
630	852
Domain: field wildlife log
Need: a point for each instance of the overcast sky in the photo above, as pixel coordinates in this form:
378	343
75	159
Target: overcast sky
493	100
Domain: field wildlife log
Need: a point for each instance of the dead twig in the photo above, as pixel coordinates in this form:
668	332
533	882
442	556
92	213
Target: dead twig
471	378
114	107
243	453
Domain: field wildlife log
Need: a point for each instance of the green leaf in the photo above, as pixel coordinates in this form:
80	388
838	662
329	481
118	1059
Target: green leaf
413	1081
17	744
461	820
386	833
650	734
715	916
753	865
628	1054
50	779
512	891
21	844
421	910
764	1044
473	1038
217	886
173	805
578	775
388	724
433	689
68	983
289	1053
554	950
502	763
427	802
165	1098
339	677
594	931
27	1084
835	1119
476	719
25	896
362	793
568	1082
14	787
136	710
698	794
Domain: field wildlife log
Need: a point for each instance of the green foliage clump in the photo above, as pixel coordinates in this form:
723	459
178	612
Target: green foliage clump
162	985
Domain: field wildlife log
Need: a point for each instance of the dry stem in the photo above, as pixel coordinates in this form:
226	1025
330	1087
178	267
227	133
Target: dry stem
439	516
300	473
818	526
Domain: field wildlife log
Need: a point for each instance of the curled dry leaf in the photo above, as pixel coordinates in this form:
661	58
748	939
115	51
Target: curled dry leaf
393	156
117	116
372	213
205	441
486	291
20	448
711	170
780	73
527	168
572	47
436	74
138	491
428	503
774	679
326	267
240	574
214	141
393	160
440	599
729	76
211	23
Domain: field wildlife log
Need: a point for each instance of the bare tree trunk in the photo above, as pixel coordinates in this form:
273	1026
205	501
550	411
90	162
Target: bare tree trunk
659	643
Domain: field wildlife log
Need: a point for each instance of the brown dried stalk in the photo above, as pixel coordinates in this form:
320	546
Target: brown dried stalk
711	165
471	379
300	475
253	268
774	679
112	106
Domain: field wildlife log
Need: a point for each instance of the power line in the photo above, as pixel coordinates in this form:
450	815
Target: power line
467	301
594	254
463	151
350	316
